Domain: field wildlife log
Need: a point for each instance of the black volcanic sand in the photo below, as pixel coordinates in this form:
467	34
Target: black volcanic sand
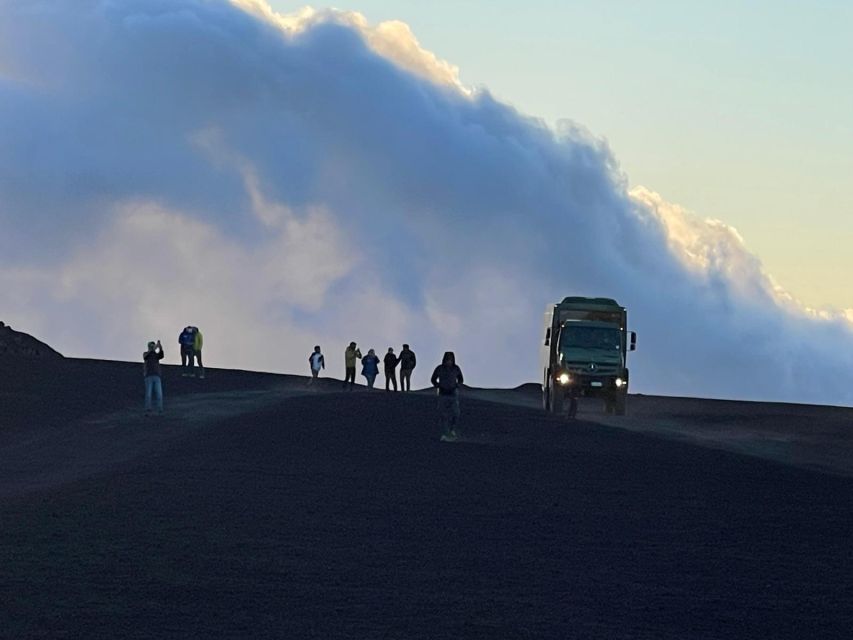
255	510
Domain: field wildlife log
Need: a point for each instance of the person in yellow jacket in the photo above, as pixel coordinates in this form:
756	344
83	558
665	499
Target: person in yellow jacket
198	343
352	354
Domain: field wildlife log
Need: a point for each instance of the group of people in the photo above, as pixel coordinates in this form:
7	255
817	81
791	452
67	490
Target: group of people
370	366
190	341
446	378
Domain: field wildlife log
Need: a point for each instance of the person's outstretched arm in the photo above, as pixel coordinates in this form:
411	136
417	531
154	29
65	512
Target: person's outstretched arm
459	377
322	362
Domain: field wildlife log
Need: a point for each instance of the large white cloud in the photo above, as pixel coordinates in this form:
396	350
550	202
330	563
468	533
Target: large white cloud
287	180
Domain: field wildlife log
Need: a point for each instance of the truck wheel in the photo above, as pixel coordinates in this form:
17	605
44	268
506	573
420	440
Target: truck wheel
546	399
556	401
609	404
621	400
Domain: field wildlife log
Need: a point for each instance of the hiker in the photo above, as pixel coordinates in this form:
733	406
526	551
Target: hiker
316	361
151	373
198	343
352	354
186	340
390	361
370	367
446	379
408	361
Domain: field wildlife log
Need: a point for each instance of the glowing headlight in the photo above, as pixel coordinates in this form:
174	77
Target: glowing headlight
619	383
564	378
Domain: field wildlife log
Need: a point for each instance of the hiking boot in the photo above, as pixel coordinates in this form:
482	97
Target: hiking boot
445	439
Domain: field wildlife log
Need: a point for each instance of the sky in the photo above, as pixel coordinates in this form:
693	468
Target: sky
283	179
741	111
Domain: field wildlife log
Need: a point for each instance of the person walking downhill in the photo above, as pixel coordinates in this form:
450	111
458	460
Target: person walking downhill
446	379
352	354
316	361
370	367
151	374
390	361
198	343
186	340
408	361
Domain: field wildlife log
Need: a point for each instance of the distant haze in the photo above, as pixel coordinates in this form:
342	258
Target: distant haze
285	181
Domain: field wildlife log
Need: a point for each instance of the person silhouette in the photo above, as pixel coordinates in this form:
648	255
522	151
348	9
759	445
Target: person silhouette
390	361
447	378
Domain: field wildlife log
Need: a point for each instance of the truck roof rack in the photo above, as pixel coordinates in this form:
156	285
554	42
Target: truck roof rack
603	302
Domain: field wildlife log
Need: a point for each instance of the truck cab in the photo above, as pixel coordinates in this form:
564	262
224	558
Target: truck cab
584	353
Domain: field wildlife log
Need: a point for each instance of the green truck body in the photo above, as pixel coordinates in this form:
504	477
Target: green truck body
584	353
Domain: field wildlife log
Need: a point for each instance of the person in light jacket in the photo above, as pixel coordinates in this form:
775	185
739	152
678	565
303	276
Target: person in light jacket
352	354
317	362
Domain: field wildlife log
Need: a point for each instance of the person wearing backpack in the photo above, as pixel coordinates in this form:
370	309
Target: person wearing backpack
446	379
390	361
408	362
186	341
316	361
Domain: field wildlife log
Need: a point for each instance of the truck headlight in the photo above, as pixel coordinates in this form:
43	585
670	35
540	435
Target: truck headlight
564	378
620	383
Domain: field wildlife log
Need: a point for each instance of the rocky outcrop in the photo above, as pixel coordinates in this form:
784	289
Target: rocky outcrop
15	343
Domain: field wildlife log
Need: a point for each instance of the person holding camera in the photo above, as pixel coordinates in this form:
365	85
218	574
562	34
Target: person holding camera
152	375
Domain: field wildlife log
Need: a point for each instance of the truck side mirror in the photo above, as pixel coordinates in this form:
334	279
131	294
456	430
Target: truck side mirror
548	337
633	341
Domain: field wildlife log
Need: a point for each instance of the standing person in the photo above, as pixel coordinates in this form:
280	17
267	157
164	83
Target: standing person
446	379
185	340
198	343
408	362
390	361
352	354
151	373
370	367
316	361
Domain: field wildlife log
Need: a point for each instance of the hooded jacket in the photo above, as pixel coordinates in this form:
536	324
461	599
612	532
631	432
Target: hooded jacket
447	377
370	365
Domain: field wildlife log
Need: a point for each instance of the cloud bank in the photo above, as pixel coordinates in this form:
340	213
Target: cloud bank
282	181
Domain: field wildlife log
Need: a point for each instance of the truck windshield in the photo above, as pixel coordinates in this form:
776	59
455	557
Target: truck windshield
590	338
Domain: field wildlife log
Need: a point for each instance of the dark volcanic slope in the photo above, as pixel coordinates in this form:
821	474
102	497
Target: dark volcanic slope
15	343
341	516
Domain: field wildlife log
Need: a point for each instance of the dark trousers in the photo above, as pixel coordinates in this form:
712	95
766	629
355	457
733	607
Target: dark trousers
448	413
187	357
350	377
198	361
390	378
405	379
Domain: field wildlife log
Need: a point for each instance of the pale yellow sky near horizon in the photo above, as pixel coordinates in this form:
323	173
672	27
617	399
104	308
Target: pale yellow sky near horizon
738	113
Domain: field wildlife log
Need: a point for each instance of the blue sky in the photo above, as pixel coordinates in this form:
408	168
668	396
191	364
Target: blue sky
737	111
